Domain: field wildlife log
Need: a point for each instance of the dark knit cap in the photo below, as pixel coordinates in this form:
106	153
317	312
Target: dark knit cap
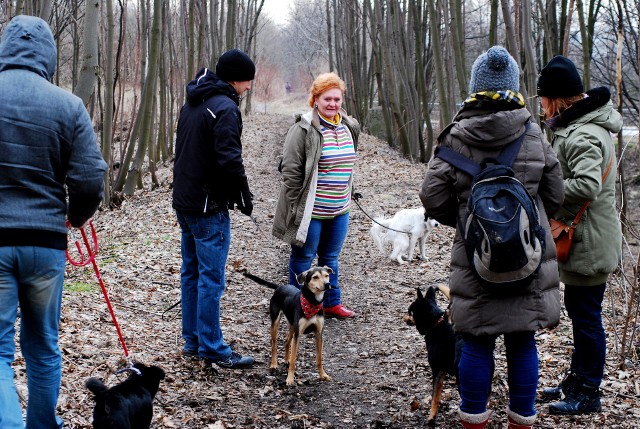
559	79
235	66
495	70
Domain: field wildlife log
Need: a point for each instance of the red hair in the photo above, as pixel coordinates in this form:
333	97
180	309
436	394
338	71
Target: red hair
323	83
556	106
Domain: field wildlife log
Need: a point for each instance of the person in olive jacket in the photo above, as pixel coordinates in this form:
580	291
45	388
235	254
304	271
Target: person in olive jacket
493	116
582	124
208	179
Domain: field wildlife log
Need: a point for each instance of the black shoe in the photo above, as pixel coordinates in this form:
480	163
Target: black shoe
584	399
190	354
234	361
566	386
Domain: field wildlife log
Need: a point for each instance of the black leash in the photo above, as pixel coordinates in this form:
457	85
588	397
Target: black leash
355	200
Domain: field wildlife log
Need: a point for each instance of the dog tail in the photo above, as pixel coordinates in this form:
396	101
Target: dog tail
445	290
95	386
377	229
260	281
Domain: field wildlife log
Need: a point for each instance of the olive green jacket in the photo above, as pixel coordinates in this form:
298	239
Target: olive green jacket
582	140
299	167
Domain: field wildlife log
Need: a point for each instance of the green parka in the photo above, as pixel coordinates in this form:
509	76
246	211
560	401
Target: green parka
299	167
582	140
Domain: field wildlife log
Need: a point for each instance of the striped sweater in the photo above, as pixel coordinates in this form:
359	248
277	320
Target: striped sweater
333	192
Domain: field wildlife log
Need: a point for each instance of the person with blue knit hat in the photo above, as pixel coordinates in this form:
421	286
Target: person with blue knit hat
209	179
582	124
492	117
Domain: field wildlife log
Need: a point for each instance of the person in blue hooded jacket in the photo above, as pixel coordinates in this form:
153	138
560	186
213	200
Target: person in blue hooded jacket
51	171
208	179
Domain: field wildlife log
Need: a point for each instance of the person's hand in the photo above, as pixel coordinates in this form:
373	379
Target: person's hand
356	196
245	202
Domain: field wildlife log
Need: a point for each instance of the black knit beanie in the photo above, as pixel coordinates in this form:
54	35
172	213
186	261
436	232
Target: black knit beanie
559	79
235	66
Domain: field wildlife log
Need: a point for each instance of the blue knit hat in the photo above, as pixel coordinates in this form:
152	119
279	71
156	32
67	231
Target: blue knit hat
495	70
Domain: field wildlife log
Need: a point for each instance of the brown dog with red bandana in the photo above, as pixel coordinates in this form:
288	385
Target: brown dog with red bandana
303	309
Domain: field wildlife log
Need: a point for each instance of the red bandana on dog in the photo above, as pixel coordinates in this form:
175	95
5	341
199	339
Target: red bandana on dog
309	309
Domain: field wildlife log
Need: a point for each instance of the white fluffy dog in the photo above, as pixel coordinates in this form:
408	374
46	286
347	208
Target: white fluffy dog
415	229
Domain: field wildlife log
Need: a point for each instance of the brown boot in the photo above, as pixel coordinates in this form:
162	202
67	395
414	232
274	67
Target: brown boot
474	421
516	421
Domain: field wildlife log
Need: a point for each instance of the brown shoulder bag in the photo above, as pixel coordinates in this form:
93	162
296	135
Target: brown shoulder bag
563	233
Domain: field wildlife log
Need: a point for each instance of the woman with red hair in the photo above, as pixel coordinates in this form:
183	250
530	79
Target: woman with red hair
318	159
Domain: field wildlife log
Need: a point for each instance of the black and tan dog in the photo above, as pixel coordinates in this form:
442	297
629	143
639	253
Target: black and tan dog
303	310
443	346
128	405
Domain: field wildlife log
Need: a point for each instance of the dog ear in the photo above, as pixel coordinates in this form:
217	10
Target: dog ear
431	293
419	292
301	277
328	269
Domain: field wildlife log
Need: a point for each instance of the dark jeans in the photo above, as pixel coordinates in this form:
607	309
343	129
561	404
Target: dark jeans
584	306
476	367
325	238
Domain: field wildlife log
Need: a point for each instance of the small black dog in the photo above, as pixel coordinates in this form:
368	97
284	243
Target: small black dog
443	346
128	405
303	310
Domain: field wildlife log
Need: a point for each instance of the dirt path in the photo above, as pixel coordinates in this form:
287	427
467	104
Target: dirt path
379	366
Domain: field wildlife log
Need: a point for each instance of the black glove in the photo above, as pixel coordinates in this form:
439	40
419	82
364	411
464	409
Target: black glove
356	196
245	199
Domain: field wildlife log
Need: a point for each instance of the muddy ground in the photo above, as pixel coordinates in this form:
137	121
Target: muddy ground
378	365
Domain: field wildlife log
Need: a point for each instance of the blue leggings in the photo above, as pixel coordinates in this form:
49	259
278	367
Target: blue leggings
476	367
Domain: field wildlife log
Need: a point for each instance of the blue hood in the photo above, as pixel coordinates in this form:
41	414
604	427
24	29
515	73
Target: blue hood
27	43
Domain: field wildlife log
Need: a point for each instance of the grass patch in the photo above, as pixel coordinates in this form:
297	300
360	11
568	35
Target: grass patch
80	287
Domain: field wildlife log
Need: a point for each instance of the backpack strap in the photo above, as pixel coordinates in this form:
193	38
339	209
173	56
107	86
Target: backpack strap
509	153
472	168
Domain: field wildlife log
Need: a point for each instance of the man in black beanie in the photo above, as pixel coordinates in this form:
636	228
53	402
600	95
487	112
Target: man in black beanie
208	180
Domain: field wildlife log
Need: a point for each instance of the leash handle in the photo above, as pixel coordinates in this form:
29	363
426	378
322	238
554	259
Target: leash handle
91	251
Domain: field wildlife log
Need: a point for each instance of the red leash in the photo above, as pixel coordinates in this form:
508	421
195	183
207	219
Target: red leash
92	251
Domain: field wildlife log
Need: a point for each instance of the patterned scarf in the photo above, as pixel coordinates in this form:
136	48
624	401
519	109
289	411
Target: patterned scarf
309	309
508	96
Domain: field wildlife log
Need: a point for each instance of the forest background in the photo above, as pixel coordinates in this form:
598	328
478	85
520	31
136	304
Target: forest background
406	64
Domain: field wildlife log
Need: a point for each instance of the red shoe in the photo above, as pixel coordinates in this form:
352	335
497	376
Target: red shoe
338	311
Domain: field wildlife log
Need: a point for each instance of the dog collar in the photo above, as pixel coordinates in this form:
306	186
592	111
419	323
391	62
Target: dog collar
439	321
309	309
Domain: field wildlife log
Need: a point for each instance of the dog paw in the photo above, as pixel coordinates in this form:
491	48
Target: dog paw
324	376
290	381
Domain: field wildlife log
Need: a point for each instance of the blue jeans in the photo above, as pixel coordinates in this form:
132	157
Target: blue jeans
31	277
476	368
325	239
584	307
204	248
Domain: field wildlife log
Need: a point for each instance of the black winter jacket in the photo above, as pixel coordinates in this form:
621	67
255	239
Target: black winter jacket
208	172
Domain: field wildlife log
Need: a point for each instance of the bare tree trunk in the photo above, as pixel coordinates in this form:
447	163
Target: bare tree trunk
457	35
89	71
567	30
493	23
107	123
45	9
530	57
443	94
147	102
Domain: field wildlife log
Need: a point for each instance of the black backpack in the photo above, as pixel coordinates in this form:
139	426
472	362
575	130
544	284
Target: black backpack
502	234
